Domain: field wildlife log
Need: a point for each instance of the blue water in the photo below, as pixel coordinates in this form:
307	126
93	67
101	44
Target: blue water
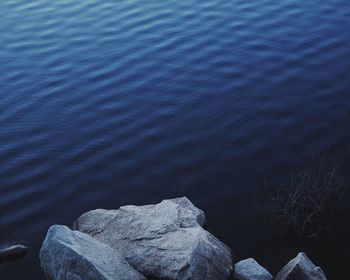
105	103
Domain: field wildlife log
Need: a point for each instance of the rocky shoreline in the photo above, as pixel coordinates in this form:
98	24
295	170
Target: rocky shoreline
161	241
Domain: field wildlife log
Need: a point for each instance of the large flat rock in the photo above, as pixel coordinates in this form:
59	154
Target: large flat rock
72	255
162	241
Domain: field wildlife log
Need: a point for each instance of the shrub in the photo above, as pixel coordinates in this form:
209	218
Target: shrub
306	204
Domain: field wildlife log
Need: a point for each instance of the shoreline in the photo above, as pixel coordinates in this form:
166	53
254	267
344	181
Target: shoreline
153	242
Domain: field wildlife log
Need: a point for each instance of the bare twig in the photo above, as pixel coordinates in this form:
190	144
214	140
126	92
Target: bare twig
307	202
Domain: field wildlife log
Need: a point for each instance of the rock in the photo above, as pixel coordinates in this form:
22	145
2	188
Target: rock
301	268
162	241
13	253
71	255
249	269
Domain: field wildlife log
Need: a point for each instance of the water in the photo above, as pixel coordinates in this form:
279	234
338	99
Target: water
105	103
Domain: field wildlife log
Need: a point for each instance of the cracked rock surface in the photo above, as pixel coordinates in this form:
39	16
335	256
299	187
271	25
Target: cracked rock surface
161	241
72	255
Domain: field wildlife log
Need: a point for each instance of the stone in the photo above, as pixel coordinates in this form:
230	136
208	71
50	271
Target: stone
249	269
161	241
72	255
301	268
13	253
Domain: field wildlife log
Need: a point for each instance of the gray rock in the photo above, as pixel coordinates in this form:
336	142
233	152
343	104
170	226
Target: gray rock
249	269
301	268
70	255
13	253
162	241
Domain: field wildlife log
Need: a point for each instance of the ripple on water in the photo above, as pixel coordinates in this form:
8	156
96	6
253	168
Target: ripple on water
105	103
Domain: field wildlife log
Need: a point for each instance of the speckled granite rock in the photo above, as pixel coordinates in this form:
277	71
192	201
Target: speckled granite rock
72	255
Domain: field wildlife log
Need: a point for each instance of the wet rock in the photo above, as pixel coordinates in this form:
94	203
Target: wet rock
13	253
249	269
301	268
162	241
70	255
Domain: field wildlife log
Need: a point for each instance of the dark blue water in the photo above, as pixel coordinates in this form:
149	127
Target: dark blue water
105	103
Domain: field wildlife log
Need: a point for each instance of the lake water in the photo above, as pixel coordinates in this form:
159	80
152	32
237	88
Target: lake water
105	103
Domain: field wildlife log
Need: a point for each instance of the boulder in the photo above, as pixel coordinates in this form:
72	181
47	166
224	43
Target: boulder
13	253
72	255
161	241
301	268
249	269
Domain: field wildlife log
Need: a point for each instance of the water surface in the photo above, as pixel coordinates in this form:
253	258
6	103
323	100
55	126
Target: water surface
105	103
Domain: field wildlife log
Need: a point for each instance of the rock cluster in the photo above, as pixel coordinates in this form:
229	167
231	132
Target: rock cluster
162	241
